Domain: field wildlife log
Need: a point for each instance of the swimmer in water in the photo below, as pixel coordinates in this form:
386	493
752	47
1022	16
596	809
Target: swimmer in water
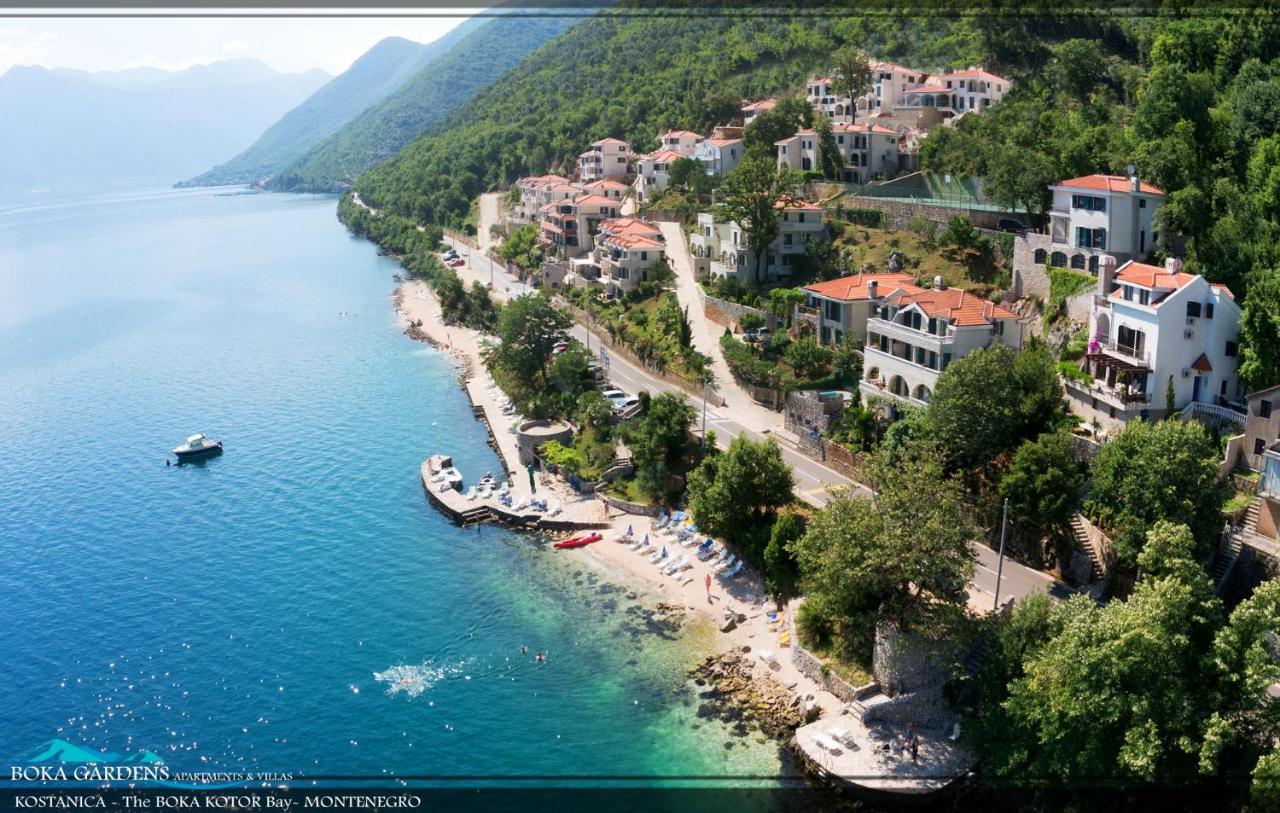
538	657
524	650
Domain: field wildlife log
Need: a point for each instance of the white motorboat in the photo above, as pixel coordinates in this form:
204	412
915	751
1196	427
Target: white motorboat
198	446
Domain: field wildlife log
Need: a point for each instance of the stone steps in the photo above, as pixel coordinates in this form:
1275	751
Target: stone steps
1081	535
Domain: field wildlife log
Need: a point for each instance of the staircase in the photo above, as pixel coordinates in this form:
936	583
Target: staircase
974	657
1081	536
1250	523
1225	560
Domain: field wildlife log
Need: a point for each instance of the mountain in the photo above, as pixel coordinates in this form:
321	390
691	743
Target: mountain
485	52
370	79
73	131
62	751
626	73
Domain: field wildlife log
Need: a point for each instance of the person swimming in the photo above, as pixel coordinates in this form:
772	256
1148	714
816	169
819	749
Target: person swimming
524	650
538	657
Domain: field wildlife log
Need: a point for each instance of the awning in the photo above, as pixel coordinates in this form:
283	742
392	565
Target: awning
1119	365
1202	364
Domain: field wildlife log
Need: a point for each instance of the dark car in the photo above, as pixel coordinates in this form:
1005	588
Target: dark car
1009	224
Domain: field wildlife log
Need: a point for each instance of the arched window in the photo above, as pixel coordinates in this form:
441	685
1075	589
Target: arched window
1093	265
1058	260
1040	256
1077	262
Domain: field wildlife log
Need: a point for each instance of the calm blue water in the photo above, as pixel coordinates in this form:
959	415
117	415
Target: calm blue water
234	614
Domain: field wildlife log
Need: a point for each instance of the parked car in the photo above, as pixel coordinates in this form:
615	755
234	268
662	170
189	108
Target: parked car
596	371
456	262
1009	224
759	334
559	348
613	395
626	404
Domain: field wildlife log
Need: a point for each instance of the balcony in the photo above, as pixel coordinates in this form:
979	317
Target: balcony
1137	356
1118	397
917	338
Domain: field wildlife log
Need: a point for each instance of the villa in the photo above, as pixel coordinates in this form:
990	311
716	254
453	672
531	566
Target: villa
1091	217
626	249
569	226
839	308
651	173
958	92
680	142
537	191
1154	328
752	109
606	188
719	249
718	155
607	158
867	150
918	332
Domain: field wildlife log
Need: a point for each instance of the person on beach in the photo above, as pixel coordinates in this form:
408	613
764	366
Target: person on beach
708	588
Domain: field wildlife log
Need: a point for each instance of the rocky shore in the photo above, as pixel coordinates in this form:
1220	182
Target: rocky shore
729	692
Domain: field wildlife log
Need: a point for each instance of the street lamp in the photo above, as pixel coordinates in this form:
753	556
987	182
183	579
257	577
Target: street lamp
1004	524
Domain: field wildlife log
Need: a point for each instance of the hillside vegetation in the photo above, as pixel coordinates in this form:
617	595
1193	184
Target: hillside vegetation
628	76
370	79
485	49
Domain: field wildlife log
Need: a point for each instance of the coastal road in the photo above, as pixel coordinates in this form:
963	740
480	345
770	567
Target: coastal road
813	479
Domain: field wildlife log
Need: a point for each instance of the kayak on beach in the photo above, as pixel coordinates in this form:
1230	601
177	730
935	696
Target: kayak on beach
579	541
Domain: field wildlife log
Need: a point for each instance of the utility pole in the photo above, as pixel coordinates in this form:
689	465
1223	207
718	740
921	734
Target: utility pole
703	445
1004	525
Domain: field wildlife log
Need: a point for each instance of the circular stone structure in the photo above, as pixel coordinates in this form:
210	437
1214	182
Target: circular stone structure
532	434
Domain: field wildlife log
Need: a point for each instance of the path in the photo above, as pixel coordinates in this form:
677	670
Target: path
488	214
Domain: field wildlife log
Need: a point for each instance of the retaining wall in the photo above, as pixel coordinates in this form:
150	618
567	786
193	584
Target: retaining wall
729	314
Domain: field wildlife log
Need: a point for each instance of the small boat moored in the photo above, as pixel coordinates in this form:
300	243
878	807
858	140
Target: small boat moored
198	446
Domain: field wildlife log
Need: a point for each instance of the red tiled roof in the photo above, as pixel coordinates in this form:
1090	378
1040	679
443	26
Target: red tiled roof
632	241
1110	183
629	225
854	288
928	89
724	142
760	106
1202	364
593	200
1155	276
974	73
788	202
663	155
958	306
607	141
547	225
605	183
679	134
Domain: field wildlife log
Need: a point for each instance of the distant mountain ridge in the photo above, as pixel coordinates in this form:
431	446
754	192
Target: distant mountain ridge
67	130
489	50
378	73
58	750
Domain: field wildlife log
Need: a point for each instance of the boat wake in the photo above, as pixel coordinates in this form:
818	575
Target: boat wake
414	679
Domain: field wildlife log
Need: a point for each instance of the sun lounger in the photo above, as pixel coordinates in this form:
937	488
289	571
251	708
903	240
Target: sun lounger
658	557
733	571
726	564
708	553
826	743
471	493
635	544
554	509
675	566
522	504
505	488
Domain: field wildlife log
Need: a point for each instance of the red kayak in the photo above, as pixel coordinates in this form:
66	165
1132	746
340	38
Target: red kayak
579	541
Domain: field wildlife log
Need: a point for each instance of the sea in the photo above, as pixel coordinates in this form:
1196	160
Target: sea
294	606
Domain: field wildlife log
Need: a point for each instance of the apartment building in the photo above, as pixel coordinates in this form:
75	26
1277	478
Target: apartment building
626	250
607	158
719	156
652	173
839	308
719	249
869	152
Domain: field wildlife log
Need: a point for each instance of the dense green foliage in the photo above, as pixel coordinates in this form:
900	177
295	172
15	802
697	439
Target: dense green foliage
657	440
737	494
904	556
1044	484
483	54
629	76
1154	471
1260	333
529	328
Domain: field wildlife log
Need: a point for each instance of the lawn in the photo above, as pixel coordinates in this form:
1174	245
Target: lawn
855	674
864	248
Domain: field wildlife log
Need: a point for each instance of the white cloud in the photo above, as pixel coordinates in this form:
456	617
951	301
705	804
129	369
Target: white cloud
21	46
235	46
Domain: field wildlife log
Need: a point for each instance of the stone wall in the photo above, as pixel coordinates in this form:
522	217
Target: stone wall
724	312
808	665
899	212
638	508
666	215
1030	279
905	663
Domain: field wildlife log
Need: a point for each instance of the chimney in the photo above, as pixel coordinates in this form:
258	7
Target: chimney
873	286
939	284
1134	185
1173	266
1106	274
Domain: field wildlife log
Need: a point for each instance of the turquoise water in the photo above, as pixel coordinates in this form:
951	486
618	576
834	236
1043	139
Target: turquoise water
234	614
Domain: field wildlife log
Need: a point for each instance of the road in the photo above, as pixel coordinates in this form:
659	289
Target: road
814	481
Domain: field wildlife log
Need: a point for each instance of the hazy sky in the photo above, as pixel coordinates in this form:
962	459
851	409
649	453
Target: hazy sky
290	44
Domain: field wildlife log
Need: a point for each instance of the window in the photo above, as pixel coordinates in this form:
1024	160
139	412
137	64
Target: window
1128	292
786	239
1259	446
1142	203
1093	265
1090	203
1091	238
1193	309
1077	261
1040	256
1231	351
644	255
1208	310
800	217
1264	409
1144	297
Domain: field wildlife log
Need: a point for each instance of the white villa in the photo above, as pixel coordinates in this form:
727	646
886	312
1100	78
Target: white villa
680	142
626	249
719	156
607	158
900	88
752	109
840	308
537	191
918	332
720	249
958	92
1091	217
651	173
607	188
569	226
869	151
1154	327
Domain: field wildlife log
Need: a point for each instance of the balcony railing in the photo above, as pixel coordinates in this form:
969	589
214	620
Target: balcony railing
1125	352
919	338
1119	397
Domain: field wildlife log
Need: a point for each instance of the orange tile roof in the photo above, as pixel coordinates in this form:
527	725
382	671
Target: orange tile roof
1155	276
632	241
724	142
608	141
890	66
975	73
679	134
605	183
592	200
761	106
663	155
1110	183
958	306
629	225
788	202
854	288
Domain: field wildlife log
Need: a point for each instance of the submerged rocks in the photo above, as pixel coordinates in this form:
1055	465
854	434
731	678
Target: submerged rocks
731	694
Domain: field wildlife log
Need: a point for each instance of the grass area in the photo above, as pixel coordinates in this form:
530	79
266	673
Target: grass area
863	248
855	674
1239	502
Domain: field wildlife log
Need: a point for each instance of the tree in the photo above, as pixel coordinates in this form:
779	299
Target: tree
657	440
992	398
1044	483
521	247
904	555
529	328
684	171
830	161
1117	692
737	494
787	117
750	320
851	73
1260	332
808	358
750	195
846	363
780	567
1244	652
1153	471
1170	411
781	302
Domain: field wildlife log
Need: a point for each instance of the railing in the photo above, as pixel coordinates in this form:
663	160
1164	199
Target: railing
1125	351
894	330
1198	409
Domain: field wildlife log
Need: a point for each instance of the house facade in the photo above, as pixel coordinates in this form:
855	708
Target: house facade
839	308
867	150
569	226
607	158
719	156
1261	425
720	249
917	333
626	250
1091	217
537	191
752	109
651	173
681	142
1154	329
